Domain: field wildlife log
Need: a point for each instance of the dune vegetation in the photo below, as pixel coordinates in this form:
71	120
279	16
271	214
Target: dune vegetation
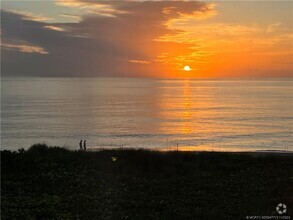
56	183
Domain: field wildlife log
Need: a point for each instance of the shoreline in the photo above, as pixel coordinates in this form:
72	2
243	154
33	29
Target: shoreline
265	151
167	149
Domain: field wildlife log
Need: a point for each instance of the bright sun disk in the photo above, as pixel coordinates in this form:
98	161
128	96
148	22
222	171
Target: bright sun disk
186	68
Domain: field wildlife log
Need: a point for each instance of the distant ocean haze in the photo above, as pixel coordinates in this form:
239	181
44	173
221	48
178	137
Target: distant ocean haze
229	115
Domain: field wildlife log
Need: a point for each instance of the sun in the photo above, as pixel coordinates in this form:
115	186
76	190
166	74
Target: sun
187	68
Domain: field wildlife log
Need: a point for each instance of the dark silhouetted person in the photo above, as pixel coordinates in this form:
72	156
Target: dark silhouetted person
84	145
80	145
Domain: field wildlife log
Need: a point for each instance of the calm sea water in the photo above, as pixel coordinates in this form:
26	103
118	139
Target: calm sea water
110	112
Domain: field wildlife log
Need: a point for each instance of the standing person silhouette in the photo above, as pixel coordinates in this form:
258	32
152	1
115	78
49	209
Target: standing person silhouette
80	145
84	145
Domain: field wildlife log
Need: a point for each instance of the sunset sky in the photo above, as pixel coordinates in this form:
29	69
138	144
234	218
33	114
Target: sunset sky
147	38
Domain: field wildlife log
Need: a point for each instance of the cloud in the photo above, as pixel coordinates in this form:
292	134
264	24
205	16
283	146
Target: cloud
273	27
102	8
139	61
71	16
204	12
110	38
96	45
30	16
25	48
54	28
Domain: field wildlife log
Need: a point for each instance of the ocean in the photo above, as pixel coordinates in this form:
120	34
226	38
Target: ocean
164	114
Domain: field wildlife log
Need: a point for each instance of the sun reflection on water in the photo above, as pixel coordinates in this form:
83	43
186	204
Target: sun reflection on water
186	115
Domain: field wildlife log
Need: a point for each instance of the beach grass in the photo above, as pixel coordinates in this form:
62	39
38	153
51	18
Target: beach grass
55	183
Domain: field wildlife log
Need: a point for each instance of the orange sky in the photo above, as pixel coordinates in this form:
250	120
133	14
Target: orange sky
147	39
